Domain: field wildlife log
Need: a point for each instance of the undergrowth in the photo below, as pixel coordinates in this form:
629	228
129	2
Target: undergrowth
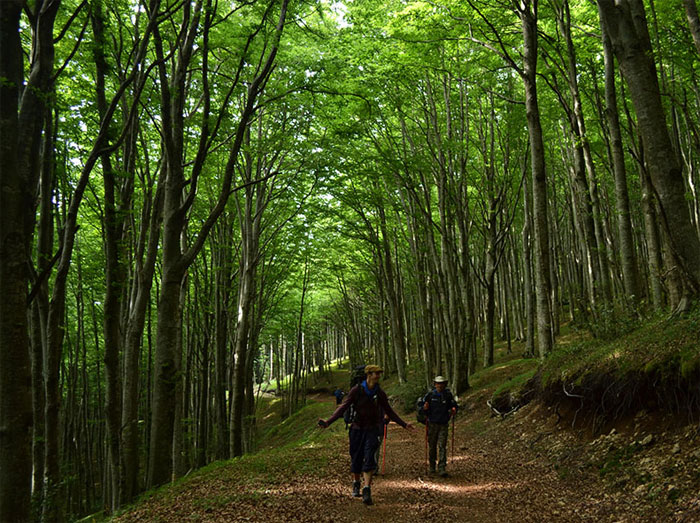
659	346
656	366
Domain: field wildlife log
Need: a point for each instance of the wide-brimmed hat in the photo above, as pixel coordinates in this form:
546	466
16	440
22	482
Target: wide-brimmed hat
373	368
440	379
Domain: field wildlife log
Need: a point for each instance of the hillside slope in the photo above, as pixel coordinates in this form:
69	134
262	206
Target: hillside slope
498	473
557	458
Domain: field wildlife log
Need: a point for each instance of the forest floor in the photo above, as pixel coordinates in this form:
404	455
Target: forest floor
527	467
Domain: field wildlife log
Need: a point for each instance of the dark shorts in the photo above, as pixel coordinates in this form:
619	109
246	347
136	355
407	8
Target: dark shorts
363	445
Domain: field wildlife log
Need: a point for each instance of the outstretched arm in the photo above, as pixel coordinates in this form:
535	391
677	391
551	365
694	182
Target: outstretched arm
345	405
384	402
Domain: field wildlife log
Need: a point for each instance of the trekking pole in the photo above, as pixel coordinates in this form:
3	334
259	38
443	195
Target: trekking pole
426	446
384	453
453	440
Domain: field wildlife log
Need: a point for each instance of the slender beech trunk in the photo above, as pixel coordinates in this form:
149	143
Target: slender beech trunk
398	334
176	206
528	16
691	12
529	290
630	273
585	172
222	272
250	232
625	23
115	277
149	237
40	309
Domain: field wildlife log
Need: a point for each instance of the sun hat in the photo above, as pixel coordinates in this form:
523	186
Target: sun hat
440	379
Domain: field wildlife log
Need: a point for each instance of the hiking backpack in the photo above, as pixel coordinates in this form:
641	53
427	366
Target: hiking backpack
421	415
356	377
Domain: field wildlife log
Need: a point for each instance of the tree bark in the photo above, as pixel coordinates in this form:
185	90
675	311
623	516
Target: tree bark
115	277
528	16
398	333
149	237
222	271
16	198
625	22
691	12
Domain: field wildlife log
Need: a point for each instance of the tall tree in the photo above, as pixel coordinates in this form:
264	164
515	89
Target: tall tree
175	259
21	121
625	21
630	272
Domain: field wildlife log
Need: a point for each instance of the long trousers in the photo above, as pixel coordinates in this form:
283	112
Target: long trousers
437	441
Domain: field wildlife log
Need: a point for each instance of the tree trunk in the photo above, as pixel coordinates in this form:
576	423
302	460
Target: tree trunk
115	279
149	237
528	290
398	334
249	219
22	110
15	238
543	285
625	22
691	12
222	270
653	240
630	273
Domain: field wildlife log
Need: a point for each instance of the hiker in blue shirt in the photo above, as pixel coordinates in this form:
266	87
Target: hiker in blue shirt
439	405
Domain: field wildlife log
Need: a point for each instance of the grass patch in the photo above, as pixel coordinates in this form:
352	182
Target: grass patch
514	384
655	367
665	347
504	370
299	428
290	449
618	459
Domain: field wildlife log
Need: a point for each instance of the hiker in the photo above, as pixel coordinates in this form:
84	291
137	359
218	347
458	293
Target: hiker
369	400
439	406
338	395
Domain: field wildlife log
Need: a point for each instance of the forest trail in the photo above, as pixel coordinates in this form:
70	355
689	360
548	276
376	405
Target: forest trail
489	481
495	476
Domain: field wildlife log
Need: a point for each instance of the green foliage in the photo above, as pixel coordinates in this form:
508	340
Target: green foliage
661	345
298	429
408	392
504	371
618	458
514	384
608	324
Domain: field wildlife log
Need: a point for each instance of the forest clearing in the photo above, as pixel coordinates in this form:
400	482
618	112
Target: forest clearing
208	206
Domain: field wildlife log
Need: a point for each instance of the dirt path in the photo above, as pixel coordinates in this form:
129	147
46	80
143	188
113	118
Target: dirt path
486	483
495	476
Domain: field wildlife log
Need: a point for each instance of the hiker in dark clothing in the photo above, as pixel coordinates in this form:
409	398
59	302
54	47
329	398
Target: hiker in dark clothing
370	403
338	395
440	406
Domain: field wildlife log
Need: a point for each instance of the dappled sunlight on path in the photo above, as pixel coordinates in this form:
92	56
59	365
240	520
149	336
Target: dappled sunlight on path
493	477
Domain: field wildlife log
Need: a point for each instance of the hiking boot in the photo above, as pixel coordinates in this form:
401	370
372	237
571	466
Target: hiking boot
432	468
443	473
356	489
367	496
